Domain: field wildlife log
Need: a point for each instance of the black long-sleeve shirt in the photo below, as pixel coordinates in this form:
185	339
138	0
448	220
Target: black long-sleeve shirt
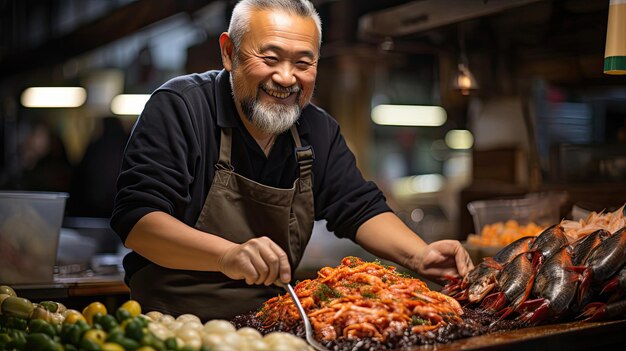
169	162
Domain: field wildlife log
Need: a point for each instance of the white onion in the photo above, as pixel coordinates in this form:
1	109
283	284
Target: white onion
187	335
188	317
159	330
154	315
192	325
166	319
175	325
219	326
194	343
281	341
249	333
254	344
212	339
232	339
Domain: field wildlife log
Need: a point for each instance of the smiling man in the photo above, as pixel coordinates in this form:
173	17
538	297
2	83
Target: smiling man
226	171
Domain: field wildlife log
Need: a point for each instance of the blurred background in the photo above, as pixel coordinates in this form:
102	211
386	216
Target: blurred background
443	102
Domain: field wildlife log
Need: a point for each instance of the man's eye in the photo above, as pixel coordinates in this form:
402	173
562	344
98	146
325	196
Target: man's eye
270	59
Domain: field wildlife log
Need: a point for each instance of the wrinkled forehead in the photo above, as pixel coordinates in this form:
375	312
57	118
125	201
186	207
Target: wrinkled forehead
282	25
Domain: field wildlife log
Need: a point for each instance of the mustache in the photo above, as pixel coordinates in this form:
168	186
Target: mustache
271	86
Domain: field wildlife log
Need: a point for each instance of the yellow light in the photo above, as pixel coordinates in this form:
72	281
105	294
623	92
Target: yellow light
129	104
409	115
57	97
464	80
459	139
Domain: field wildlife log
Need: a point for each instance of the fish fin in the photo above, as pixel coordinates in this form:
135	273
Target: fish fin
610	285
505	312
491	263
577	269
530	305
461	295
494	302
536	259
524	296
585	286
535	315
593	311
452	288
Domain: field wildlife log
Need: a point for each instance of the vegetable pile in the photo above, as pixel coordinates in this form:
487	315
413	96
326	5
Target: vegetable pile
50	326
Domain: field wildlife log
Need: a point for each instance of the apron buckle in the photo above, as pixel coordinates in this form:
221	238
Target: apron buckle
304	155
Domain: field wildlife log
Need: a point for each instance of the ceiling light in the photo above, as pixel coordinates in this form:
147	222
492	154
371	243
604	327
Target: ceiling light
615	49
41	97
459	139
409	115
129	104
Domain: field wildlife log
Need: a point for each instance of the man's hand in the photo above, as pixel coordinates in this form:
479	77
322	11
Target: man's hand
444	258
258	261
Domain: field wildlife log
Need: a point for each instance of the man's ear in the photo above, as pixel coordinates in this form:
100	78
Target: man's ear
227	51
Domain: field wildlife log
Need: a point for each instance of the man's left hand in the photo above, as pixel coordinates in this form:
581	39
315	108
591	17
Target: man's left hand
443	259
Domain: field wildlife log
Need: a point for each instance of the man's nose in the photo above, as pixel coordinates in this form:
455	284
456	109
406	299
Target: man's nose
284	75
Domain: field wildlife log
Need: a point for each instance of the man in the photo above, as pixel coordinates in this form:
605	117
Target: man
226	171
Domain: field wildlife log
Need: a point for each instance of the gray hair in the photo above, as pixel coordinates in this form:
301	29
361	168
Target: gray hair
240	19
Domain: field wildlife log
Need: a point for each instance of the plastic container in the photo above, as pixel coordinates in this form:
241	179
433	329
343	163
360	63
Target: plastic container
541	209
29	235
532	213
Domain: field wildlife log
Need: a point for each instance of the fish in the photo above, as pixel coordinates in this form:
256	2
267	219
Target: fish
514	283
550	241
603	262
512	250
554	287
479	282
582	248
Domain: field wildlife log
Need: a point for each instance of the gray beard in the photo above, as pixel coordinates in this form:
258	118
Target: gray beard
271	119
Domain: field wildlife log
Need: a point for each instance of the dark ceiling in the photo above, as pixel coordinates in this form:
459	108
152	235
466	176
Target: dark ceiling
33	37
32	34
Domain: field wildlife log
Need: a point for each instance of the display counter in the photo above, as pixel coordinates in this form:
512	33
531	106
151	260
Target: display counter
78	291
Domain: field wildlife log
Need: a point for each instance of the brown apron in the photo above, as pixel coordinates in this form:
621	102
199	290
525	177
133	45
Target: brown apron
237	209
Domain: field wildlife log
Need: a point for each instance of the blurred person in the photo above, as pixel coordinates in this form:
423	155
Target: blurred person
92	189
44	162
226	171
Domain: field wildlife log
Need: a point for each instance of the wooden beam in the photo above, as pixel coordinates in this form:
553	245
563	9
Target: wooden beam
418	16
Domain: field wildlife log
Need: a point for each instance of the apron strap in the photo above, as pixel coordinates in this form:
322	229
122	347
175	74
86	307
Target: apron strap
223	164
304	156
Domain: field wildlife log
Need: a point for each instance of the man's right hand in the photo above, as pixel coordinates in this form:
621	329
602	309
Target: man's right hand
258	261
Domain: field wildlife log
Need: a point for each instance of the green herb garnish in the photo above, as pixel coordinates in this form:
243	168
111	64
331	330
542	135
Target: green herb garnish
415	320
369	295
324	293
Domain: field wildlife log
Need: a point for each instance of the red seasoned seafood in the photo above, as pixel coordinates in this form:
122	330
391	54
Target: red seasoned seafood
360	299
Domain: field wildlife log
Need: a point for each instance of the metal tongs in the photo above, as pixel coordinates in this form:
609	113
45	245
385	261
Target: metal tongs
310	336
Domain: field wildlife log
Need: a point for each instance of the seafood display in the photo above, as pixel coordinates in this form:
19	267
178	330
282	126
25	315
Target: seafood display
360	299
574	269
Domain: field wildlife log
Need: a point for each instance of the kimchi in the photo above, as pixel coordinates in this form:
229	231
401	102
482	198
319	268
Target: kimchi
360	299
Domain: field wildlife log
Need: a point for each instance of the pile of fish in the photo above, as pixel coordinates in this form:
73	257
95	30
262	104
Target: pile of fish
574	269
